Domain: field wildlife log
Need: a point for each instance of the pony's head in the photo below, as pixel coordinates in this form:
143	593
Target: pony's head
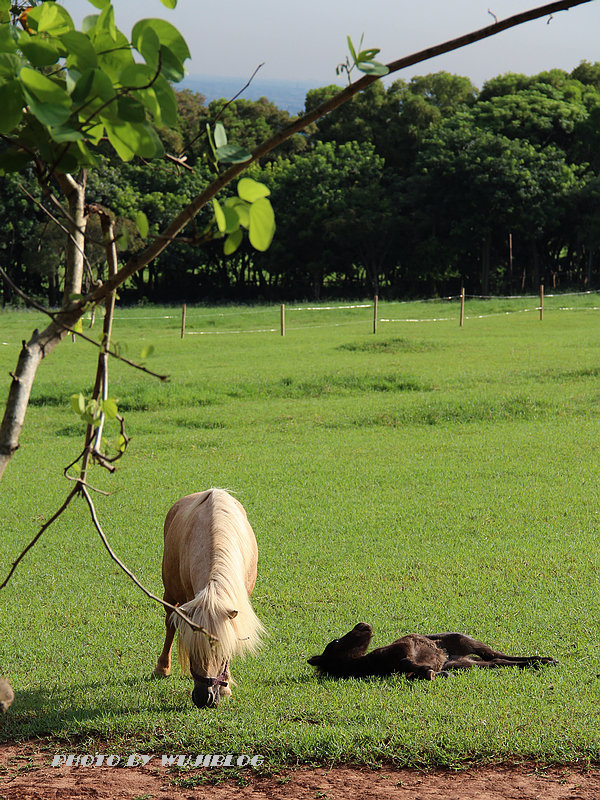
209	690
340	651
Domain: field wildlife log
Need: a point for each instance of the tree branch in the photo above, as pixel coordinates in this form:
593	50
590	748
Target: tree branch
128	572
54	315
44	527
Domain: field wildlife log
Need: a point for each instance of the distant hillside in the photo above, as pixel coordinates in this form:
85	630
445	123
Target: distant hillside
288	95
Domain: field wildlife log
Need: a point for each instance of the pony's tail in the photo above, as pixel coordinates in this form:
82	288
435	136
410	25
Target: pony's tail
236	633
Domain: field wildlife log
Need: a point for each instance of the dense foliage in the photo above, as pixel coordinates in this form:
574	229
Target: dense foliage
407	190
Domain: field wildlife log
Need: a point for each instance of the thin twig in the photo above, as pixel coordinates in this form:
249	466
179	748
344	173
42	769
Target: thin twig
44	527
130	574
55	316
179	161
59	224
220	114
235	96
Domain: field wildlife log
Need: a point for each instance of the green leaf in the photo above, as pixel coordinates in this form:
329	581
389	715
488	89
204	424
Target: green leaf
232	220
48	101
173	49
50	18
78	404
372	68
110	408
13	160
8	39
134	76
351	48
66	133
113	55
242	210
148	45
171	67
232	154
81	53
232	242
43	88
141	221
167	34
147	351
93	411
220	135
250	190
166	100
41	51
10	65
106	22
367	55
130	138
130	110
11	103
219	215
262	224
169	3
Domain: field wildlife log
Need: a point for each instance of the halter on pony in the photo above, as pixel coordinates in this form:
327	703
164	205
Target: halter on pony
218	681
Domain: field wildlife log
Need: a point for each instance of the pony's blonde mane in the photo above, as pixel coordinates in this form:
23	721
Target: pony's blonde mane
224	592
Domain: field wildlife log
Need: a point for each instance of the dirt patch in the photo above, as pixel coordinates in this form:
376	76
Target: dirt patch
28	775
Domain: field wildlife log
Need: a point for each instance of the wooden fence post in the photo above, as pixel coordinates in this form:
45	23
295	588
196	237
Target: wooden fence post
282	313
375	304
541	301
183	310
462	306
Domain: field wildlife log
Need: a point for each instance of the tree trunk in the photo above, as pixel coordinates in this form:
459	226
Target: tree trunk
41	344
74	191
38	347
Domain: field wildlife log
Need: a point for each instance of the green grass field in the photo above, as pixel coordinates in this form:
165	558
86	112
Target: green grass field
423	478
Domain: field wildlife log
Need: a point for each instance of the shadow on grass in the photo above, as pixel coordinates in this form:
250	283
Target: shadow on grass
57	711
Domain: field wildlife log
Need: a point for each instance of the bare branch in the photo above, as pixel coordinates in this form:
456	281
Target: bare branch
179	161
44	527
130	574
235	96
55	316
57	203
228	103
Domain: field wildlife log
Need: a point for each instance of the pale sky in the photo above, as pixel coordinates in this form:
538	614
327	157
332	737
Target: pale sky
305	40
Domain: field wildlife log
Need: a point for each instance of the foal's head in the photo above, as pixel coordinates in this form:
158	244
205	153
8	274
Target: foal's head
339	652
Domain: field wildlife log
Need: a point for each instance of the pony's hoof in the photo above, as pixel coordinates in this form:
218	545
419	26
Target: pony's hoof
160	672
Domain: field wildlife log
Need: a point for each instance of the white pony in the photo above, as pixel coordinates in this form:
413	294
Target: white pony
209	571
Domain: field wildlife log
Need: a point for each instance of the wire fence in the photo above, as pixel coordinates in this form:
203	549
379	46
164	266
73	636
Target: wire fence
282	319
379	313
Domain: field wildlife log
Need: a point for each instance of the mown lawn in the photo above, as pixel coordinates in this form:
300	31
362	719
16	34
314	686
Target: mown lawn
424	478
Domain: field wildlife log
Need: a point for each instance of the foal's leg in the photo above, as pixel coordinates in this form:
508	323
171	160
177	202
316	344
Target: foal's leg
459	645
163	665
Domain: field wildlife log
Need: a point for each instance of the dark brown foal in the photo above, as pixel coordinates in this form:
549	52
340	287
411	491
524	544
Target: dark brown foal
413	655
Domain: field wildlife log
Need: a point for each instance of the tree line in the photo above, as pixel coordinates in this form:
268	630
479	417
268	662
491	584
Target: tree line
411	189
